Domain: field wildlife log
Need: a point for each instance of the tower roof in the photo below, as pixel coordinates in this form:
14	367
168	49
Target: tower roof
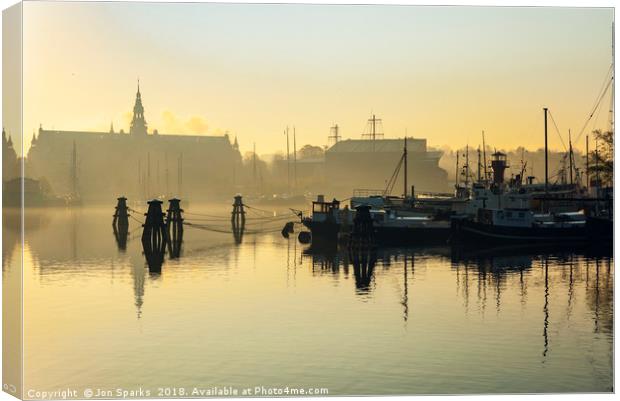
138	123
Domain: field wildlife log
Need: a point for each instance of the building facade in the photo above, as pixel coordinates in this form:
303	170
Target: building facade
100	166
370	163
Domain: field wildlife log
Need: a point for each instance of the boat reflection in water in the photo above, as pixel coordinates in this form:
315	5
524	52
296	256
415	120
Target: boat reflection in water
482	275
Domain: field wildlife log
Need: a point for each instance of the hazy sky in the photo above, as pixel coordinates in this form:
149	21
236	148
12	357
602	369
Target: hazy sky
443	73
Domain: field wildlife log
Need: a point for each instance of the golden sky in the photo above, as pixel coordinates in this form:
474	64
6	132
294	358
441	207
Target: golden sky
443	73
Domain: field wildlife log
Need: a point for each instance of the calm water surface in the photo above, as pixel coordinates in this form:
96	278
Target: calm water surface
271	312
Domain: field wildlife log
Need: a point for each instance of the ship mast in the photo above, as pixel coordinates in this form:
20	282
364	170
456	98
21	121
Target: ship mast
479	169
570	157
484	158
405	160
587	163
466	166
546	156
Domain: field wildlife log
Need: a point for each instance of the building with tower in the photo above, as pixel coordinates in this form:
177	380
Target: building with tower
140	164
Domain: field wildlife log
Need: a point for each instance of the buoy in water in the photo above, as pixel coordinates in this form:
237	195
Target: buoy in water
289	228
305	237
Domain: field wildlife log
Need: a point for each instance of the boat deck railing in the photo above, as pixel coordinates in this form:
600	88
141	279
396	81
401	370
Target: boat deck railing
361	193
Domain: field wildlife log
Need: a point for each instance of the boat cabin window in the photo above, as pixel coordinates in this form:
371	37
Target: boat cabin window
320	207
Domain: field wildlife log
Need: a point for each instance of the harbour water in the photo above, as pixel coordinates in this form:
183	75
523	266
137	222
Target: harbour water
274	313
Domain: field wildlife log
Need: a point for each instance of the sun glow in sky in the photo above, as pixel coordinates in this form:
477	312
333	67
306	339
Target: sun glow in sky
443	73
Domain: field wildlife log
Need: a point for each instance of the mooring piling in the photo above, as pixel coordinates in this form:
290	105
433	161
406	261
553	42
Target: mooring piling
120	223
362	233
154	233
174	225
121	215
237	219
238	214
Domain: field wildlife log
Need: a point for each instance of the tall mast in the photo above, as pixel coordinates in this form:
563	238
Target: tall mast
405	175
484	157
587	162
570	157
479	178
467	166
546	156
598	176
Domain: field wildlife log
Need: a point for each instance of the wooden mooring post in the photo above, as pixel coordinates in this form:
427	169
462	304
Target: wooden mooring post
174	226
237	219
120	223
121	215
362	250
362	233
154	232
154	236
238	213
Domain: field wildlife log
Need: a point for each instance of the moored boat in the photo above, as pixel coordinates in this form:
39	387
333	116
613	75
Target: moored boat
329	223
524	226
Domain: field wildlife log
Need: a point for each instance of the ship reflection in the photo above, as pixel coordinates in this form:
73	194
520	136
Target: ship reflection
490	275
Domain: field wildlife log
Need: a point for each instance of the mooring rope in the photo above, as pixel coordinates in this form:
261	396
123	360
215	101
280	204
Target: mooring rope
135	218
228	231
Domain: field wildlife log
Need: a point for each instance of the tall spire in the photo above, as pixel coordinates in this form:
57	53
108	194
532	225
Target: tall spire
138	124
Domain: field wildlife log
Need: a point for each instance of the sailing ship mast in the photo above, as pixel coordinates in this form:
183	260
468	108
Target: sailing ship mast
484	156
405	175
479	167
466	167
570	157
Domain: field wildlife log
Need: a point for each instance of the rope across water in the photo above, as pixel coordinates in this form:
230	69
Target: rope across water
261	221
